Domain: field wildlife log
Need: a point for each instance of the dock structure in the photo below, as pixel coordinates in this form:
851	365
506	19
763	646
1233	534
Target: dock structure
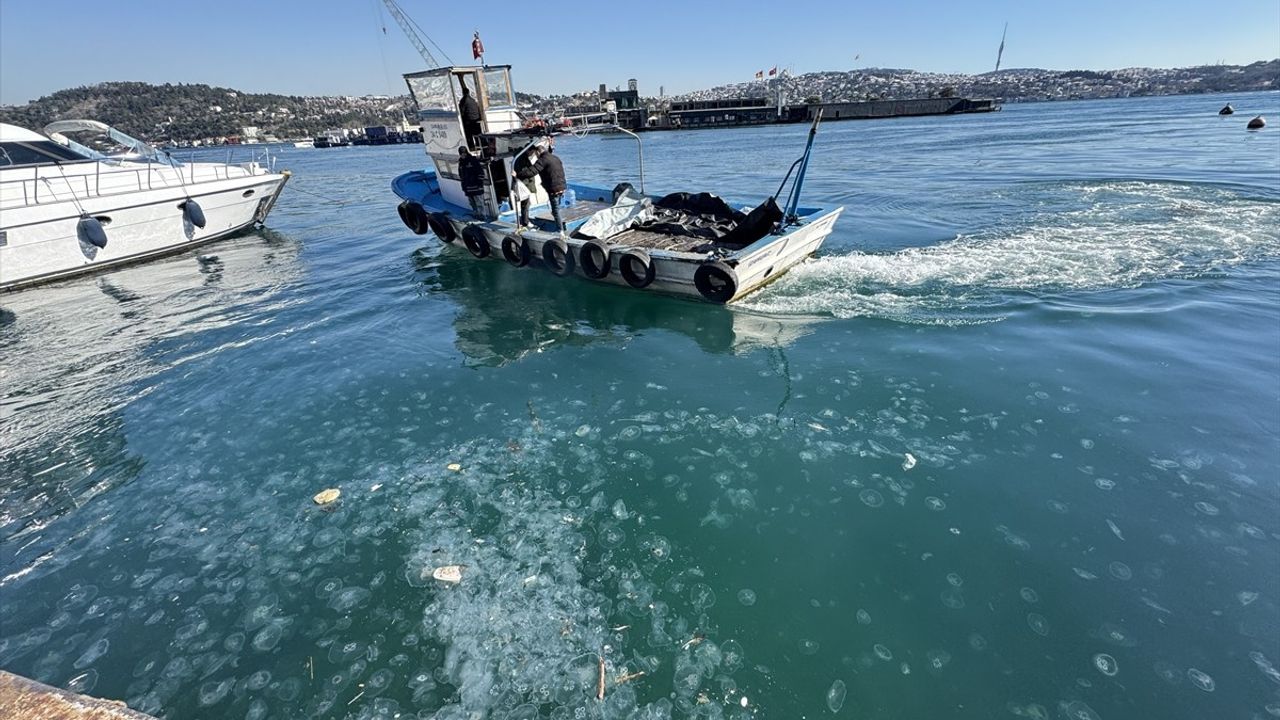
874	109
737	112
30	700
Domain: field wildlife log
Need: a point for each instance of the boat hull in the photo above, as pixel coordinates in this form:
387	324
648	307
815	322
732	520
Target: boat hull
41	242
674	273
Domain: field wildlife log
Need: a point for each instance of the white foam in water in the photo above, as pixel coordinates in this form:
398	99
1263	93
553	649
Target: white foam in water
1122	235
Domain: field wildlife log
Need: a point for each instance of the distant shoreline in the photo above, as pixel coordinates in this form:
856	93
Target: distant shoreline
187	113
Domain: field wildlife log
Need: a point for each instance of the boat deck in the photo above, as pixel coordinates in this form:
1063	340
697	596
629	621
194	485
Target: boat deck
657	241
580	210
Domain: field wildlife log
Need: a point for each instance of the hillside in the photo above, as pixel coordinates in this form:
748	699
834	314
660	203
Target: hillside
1013	85
191	112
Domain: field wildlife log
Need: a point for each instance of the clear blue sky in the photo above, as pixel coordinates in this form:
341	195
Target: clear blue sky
337	46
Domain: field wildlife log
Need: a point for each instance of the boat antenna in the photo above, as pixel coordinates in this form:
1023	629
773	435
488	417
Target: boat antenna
1000	52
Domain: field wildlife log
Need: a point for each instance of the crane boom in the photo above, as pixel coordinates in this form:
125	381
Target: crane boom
410	33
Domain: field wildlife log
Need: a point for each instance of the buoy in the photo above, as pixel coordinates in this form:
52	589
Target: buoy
716	281
1227	110
90	230
637	268
192	213
594	259
1257	123
516	250
557	257
476	241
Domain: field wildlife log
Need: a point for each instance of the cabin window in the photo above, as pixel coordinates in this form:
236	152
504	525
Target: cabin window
35	153
432	92
497	88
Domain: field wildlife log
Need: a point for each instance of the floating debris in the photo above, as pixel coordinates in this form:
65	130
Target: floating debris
455	467
600	687
451	574
908	461
632	676
693	641
324	497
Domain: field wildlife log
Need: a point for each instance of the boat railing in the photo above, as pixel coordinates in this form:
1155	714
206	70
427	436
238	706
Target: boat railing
607	122
50	187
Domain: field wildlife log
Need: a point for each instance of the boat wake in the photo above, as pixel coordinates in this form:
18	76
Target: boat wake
1084	237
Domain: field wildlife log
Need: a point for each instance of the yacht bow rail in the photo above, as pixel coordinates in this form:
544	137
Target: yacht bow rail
62	182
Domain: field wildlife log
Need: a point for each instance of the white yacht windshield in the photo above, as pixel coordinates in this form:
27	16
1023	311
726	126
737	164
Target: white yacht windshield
36	152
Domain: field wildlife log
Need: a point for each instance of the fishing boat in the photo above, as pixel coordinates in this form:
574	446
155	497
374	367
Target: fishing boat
690	244
67	208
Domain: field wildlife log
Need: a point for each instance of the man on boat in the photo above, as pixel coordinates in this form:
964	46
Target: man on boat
526	174
471	173
469	109
551	170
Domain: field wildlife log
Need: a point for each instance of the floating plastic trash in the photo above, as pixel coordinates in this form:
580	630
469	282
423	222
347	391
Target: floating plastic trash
324	497
455	467
451	574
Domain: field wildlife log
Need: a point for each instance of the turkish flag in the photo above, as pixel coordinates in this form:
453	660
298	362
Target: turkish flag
477	47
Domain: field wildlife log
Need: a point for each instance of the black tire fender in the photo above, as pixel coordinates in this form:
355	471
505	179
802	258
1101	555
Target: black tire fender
476	241
591	267
716	281
637	268
516	250
439	224
561	265
413	216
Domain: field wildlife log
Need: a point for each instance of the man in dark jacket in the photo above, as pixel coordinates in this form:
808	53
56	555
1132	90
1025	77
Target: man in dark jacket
471	172
469	109
551	170
526	174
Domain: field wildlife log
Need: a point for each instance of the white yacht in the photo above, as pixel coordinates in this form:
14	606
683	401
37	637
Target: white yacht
67	209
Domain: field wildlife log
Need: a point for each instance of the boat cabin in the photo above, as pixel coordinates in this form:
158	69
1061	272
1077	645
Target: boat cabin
437	93
22	147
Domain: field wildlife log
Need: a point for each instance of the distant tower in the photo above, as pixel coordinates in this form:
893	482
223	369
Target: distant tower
631	85
662	91
604	92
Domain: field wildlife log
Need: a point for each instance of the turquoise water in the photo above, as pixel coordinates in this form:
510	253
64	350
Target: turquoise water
1007	448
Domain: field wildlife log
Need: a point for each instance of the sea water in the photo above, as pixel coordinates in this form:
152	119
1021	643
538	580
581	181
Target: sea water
1006	448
